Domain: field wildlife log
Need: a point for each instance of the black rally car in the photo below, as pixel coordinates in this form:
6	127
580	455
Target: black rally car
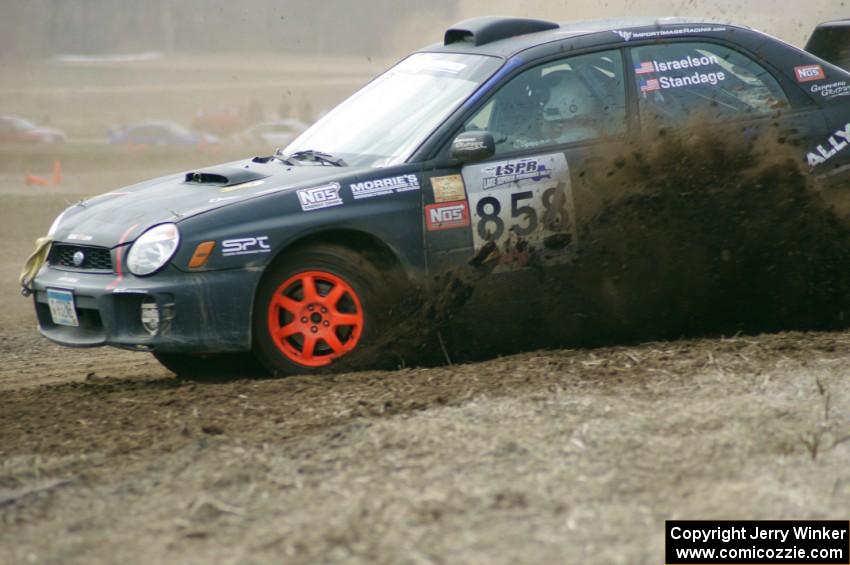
473	142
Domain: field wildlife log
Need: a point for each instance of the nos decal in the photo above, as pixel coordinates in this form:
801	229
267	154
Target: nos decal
447	215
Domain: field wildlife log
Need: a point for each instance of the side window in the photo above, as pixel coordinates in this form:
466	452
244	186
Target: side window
574	99
681	81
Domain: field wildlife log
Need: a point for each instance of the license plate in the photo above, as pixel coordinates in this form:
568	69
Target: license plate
62	309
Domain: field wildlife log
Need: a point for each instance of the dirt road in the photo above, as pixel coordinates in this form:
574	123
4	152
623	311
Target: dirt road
550	457
563	456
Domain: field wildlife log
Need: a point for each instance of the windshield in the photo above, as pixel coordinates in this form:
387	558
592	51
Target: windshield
383	123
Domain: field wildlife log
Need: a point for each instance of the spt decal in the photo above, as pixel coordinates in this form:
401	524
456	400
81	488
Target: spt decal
245	245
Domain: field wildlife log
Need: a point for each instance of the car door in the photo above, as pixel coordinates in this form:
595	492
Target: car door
517	212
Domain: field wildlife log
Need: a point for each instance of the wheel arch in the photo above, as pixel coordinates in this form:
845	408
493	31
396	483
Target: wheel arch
360	241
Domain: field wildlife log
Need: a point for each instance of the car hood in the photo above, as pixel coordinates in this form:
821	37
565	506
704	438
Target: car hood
121	216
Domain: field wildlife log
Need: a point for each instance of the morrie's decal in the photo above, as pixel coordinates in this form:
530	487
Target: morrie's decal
831	90
244	185
835	144
447	215
245	245
629	35
319	197
515	170
79	237
808	73
390	185
448	188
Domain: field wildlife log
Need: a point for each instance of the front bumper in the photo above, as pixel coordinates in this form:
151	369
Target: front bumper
199	312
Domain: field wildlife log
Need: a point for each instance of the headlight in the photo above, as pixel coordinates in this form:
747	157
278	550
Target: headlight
153	249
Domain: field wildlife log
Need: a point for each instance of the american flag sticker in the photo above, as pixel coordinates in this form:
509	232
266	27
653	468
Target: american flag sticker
650	84
644	68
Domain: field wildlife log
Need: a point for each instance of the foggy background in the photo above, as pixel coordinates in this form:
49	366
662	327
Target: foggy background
89	66
385	28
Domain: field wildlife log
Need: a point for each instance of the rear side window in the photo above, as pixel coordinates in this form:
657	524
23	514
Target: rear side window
677	82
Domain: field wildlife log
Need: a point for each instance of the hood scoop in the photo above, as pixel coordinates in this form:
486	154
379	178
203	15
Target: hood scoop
223	176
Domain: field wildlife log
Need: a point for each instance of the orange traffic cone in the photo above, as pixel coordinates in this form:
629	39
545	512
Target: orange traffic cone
35	179
31	179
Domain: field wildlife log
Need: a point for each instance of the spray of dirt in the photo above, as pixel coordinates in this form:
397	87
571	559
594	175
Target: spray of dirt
721	234
703	233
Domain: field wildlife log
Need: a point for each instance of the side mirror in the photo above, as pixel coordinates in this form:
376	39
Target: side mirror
471	146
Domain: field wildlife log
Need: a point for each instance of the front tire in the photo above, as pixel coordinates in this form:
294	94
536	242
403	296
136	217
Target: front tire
322	308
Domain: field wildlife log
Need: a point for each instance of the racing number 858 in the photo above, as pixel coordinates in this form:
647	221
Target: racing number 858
489	209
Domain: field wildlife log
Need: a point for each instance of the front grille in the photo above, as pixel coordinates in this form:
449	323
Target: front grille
94	258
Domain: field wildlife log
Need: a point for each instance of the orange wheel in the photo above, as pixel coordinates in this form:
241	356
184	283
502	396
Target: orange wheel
324	307
315	317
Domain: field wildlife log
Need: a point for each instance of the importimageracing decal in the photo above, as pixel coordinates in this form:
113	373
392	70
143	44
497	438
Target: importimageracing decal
629	35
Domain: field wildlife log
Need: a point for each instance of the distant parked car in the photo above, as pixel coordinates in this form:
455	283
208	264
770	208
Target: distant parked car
277	133
159	132
14	129
227	119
